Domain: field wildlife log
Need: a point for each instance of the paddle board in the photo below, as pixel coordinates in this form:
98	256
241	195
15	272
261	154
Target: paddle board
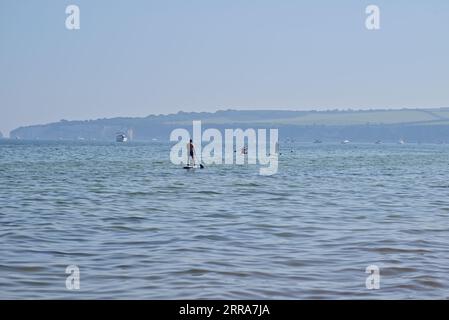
194	167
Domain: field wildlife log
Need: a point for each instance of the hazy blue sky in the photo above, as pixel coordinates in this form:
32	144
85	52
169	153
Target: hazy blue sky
134	58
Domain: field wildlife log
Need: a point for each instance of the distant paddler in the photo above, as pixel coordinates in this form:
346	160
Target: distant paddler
191	150
192	155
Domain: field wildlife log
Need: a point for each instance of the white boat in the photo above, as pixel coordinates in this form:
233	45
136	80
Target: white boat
401	141
121	137
345	142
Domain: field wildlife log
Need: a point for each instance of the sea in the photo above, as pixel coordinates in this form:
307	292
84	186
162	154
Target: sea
94	220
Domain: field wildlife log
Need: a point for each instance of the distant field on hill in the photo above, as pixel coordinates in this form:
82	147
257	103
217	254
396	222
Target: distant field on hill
338	118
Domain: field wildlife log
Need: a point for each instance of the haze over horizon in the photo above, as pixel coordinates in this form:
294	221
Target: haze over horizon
139	58
255	109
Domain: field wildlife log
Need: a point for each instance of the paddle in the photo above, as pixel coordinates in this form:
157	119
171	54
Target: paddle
201	165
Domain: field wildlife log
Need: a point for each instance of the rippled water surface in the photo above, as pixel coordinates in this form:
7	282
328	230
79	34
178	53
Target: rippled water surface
139	227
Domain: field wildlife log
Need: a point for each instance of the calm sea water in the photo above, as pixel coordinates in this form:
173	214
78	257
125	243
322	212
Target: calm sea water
139	227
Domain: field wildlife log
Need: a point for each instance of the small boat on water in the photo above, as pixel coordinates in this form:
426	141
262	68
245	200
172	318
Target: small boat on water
317	141
345	141
121	137
401	141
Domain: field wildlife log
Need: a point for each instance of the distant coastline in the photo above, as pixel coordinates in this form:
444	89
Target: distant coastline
412	125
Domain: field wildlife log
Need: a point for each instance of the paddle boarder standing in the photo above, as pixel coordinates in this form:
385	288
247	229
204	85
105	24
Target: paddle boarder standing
191	149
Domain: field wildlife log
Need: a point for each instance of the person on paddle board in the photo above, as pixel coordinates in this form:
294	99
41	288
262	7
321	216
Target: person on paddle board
191	149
